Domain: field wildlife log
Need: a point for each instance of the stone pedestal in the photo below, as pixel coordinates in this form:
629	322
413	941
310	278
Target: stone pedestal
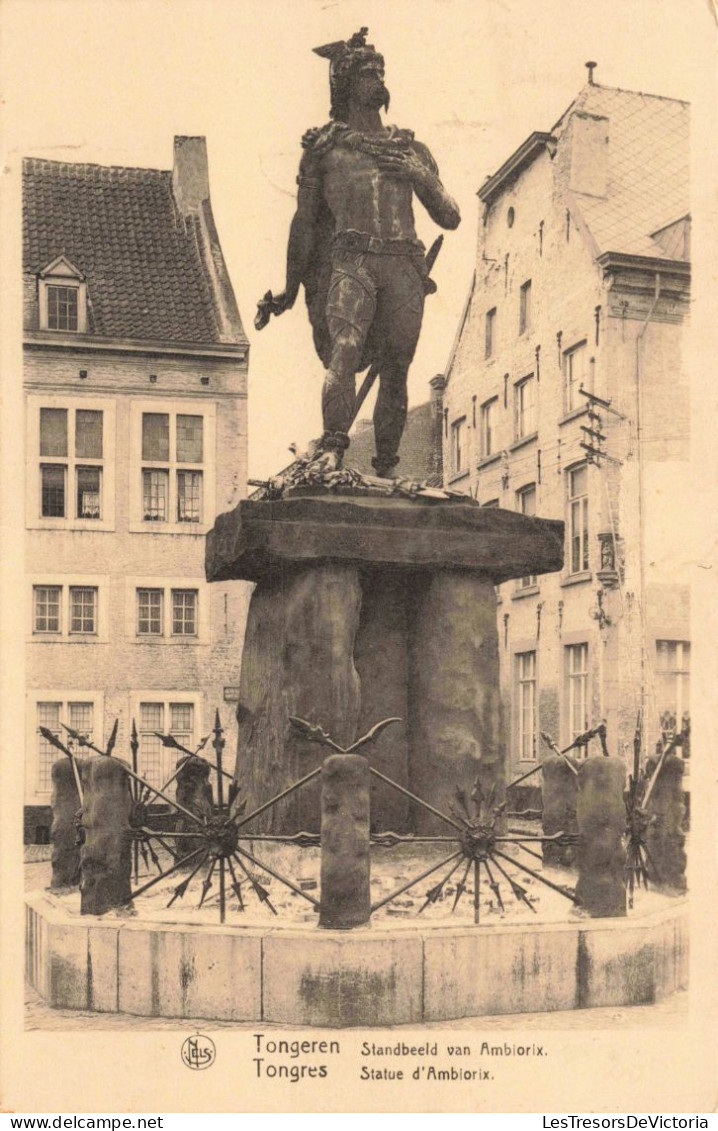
106	853
665	838
345	898
601	823
559	791
64	831
369	606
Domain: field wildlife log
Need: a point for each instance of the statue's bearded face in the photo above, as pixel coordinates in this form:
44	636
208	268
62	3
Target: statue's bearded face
367	88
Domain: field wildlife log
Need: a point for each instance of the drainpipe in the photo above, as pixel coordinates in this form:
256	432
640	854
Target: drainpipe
641	524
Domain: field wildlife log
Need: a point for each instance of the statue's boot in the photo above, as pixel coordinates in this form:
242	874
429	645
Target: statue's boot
384	465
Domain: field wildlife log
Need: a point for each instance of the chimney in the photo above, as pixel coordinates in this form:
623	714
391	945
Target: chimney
190	174
435	462
591	67
589	153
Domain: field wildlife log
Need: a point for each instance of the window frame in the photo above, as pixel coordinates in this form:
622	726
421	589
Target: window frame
576	680
521	432
168	586
168	698
578	505
680	673
487	432
530	581
71	463
67	583
522	681
571	402
172	466
35	792
459	446
61	273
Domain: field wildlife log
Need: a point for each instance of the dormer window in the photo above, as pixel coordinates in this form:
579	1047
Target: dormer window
62	295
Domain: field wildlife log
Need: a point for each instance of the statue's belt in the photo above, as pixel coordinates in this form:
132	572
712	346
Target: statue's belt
377	245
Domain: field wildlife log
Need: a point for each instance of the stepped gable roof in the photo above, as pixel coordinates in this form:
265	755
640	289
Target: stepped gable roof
121	228
648	172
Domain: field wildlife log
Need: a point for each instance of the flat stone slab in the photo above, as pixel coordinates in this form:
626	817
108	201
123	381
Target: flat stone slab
258	537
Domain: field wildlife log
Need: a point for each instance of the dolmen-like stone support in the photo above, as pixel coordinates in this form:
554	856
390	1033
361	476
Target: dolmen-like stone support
368	606
559	794
345	898
665	836
64	839
601	814
106	853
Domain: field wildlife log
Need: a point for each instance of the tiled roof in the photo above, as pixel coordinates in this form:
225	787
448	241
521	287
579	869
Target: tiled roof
121	229
415	450
648	169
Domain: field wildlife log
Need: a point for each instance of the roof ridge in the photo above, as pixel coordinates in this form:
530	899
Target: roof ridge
30	163
641	93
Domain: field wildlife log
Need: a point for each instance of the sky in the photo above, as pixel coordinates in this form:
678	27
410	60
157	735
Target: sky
112	81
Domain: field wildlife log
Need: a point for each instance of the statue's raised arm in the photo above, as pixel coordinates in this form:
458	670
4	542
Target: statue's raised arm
353	246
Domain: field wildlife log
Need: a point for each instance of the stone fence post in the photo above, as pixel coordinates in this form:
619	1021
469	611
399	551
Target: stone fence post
559	794
665	838
106	853
345	899
601	817
194	792
64	831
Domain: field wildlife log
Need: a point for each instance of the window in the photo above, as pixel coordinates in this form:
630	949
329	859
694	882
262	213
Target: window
525	307
489	332
62	307
157	763
47	608
575	373
149	612
526	504
83	609
526	704
172	493
525	407
458	446
62	297
51	714
489	412
71	435
673	663
577	681
155	495
184	612
578	519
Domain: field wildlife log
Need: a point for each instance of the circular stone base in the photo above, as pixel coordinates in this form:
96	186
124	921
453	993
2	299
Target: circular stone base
350	978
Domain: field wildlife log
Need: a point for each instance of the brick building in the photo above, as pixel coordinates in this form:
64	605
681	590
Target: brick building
566	397
135	370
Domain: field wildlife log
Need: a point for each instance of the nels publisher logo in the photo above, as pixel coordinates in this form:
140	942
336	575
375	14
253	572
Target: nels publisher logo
198	1052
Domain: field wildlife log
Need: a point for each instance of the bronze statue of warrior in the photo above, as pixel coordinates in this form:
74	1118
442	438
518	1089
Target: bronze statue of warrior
353	245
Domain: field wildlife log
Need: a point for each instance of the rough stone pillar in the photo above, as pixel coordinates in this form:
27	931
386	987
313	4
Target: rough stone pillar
559	792
194	792
63	831
298	659
455	723
345	898
601	823
106	853
665	838
380	655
